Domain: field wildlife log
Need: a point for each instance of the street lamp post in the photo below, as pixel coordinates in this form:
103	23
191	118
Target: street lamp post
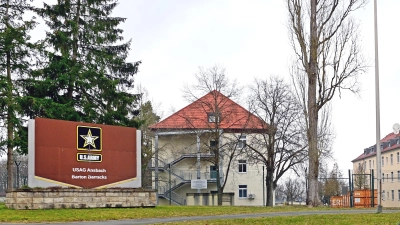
17	160
17	163
378	132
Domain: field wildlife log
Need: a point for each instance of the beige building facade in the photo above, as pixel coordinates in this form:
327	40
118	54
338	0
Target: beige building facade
390	169
180	163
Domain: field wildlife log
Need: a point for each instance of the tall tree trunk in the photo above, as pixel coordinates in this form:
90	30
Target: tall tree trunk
219	191
269	183
10	126
270	165
74	48
9	113
313	110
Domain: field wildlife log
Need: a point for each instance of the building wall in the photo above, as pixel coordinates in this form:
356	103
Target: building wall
254	181
172	147
390	175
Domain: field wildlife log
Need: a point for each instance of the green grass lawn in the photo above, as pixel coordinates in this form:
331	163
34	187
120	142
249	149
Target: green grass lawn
342	219
70	215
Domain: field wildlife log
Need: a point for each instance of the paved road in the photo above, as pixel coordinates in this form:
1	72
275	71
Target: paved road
180	219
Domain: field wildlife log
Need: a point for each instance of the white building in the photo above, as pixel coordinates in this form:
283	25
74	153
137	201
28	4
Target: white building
187	145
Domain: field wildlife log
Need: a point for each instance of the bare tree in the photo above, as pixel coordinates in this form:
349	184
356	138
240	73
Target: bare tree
325	130
333	184
221	116
293	189
328	53
361	180
280	193
325	135
279	148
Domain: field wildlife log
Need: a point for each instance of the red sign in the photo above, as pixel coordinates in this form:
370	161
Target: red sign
83	154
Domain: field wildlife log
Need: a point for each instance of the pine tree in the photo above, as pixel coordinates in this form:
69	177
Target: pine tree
86	77
16	52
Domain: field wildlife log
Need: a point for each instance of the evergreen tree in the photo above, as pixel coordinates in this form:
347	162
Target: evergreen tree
146	118
86	77
15	63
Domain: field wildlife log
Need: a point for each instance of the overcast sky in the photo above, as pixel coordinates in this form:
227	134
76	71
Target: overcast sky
250	39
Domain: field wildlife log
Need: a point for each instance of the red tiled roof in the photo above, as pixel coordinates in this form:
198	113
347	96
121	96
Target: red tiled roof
194	116
390	136
385	139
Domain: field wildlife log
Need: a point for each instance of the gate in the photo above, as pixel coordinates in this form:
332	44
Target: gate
360	194
365	195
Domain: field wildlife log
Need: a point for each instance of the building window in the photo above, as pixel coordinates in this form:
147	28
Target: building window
398	176
213	117
213	145
383	177
373	164
391	159
242	191
398	192
383	195
398	157
213	172
383	161
392	195
391	174
242	141
369	164
242	166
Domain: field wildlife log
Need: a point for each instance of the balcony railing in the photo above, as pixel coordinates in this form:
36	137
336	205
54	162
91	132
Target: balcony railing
175	197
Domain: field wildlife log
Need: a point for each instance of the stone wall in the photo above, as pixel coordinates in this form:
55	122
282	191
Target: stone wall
80	198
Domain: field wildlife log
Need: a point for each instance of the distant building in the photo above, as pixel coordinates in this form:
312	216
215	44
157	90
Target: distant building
187	143
390	161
